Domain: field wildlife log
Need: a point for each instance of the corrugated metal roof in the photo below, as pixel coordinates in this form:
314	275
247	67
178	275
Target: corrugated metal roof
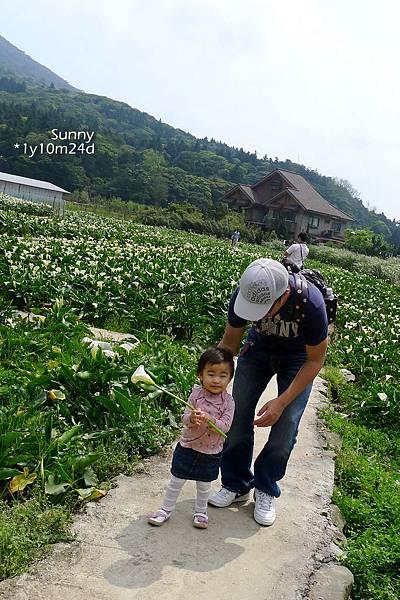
32	182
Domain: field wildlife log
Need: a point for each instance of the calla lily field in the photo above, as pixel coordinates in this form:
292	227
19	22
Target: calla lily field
67	398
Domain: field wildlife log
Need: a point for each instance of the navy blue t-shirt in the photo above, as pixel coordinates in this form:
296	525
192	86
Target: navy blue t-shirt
281	333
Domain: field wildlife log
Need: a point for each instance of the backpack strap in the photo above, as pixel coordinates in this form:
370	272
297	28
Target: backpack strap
301	285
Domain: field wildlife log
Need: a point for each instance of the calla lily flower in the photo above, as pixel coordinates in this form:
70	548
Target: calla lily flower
127	346
141	375
101	344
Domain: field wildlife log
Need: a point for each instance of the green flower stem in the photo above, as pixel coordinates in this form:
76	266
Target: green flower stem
210	423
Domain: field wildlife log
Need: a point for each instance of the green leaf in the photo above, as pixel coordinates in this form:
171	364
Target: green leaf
40	399
7	473
172	420
90	477
68	435
6	439
146	387
79	463
155	394
108	403
10	461
53	488
126	403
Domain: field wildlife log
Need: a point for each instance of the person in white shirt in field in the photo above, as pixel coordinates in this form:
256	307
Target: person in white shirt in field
297	253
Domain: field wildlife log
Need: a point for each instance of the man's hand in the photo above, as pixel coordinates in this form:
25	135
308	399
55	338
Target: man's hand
269	413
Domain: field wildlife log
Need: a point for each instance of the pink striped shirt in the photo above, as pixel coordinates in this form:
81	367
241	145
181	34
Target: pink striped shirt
220	407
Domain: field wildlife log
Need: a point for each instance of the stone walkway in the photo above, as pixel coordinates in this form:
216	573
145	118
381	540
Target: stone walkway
118	556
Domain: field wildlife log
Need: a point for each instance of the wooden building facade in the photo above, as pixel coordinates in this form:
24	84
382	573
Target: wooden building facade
285	202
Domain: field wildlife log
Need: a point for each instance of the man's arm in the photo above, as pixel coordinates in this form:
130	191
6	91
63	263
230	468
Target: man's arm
289	250
272	410
232	338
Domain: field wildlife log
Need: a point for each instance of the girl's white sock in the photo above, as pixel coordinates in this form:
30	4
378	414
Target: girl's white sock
203	492
172	492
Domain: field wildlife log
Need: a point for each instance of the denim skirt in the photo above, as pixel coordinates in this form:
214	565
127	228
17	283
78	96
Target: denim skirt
198	466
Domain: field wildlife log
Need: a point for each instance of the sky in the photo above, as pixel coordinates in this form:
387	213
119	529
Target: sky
315	81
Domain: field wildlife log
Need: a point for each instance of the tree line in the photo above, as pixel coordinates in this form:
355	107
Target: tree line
141	159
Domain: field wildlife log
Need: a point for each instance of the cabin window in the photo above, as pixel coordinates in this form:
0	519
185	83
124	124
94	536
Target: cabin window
288	215
276	185
336	226
313	222
282	215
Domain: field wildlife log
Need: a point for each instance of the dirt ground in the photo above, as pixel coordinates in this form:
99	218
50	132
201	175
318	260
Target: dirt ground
118	556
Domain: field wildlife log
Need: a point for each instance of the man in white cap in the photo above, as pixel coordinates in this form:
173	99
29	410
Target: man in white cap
288	340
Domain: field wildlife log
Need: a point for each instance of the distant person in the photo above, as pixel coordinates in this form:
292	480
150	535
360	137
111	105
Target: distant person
235	237
197	455
297	253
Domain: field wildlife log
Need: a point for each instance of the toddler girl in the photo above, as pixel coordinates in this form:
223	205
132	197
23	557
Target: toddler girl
197	455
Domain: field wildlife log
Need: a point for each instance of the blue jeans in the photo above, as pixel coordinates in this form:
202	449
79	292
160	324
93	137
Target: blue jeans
254	370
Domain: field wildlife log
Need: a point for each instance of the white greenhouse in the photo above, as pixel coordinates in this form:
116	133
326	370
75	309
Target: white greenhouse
33	190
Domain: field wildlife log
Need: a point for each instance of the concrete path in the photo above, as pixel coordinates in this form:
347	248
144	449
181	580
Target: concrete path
118	556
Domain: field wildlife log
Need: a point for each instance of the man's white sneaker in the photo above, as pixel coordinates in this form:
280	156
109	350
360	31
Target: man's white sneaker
225	497
264	509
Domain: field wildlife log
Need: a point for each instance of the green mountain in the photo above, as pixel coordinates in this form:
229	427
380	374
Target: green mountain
135	156
17	65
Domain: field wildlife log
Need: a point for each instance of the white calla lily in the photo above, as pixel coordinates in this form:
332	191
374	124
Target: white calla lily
127	346
141	375
101	344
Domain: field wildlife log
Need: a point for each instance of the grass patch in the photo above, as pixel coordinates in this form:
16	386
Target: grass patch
368	494
25	531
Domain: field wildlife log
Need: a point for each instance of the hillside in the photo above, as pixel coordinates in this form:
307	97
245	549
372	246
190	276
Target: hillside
136	156
15	63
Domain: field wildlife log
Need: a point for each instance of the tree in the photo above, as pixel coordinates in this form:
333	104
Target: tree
365	241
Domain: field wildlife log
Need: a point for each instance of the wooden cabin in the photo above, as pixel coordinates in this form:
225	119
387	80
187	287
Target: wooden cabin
286	203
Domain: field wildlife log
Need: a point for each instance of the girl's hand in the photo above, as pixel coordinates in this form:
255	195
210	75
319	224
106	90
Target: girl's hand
210	421
196	418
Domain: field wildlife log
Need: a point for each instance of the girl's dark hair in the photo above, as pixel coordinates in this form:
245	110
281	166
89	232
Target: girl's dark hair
302	236
216	356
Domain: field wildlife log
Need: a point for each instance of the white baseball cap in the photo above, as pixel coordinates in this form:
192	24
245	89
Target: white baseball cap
263	282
